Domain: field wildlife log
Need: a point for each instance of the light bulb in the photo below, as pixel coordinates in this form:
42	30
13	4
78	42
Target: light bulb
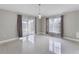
39	16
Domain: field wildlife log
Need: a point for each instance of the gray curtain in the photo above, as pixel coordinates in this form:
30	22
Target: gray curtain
62	24
36	25
47	25
19	25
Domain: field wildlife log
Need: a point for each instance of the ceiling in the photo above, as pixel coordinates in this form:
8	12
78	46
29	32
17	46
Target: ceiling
45	9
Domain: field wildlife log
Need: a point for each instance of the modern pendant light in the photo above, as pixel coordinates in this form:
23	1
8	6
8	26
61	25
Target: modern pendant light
39	15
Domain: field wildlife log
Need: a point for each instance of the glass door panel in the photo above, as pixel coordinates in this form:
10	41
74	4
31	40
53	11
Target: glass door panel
28	26
54	25
31	27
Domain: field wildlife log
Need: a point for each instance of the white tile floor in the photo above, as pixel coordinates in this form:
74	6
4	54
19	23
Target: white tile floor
70	47
39	44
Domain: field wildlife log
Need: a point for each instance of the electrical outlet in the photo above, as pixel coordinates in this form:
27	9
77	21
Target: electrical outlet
77	35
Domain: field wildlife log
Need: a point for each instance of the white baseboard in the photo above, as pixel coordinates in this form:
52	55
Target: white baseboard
8	40
68	38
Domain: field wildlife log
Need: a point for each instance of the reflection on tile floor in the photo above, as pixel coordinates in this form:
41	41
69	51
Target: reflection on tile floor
39	44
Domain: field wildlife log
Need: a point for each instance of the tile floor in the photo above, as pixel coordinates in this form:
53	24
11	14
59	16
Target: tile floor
39	44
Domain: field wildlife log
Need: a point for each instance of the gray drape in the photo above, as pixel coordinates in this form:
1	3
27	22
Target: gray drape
19	25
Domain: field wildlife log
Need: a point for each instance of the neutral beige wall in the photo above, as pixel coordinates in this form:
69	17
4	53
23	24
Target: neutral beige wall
8	22
44	25
71	24
41	25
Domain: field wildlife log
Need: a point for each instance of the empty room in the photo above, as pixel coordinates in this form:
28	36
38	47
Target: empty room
39	28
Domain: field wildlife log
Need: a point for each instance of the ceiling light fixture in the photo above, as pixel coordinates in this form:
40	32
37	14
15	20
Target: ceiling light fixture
39	15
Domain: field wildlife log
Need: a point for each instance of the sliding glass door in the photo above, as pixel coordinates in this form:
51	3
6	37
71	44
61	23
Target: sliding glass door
54	26
28	26
31	27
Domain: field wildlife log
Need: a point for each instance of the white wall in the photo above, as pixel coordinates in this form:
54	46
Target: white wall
71	24
8	25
